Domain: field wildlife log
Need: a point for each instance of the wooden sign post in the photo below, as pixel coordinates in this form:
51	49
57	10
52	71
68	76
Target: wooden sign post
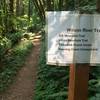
78	83
73	39
79	75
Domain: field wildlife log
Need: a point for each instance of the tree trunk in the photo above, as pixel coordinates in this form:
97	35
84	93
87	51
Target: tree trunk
11	6
19	7
98	6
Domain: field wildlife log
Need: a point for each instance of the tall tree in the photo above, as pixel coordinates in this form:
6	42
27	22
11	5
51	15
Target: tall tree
19	7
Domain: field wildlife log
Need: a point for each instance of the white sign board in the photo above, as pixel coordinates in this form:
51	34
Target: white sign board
73	38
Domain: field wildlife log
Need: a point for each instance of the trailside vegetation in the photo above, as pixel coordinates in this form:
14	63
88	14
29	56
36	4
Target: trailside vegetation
18	18
52	81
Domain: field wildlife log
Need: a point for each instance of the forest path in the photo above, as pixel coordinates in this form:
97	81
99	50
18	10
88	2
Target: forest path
24	84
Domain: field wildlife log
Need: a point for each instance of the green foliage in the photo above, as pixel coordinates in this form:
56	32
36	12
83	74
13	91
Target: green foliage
96	97
1	30
22	22
5	44
58	96
35	18
87	6
94	83
12	62
15	37
35	24
52	80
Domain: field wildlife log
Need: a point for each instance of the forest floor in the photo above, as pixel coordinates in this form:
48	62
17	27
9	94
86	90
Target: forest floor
24	84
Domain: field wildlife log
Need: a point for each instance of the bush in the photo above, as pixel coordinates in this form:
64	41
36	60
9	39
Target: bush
52	80
13	62
34	29
5	45
14	37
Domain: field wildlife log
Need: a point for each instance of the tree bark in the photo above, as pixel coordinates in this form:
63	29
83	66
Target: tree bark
98	6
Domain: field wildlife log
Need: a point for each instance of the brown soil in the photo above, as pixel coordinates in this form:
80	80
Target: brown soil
24	84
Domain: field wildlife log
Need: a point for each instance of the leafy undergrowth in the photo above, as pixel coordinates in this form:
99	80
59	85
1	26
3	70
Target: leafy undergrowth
52	81
12	62
94	83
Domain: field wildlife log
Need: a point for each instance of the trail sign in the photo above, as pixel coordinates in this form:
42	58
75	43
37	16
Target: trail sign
73	38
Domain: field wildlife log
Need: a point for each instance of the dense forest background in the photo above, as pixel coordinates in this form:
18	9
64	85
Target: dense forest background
19	21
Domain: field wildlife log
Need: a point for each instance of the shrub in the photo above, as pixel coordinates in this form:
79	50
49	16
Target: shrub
15	37
13	62
52	80
34	28
5	45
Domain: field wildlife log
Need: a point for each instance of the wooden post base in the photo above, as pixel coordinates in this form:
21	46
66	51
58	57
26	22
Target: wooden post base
78	83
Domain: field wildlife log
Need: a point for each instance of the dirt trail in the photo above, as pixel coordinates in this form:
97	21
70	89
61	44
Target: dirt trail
23	87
